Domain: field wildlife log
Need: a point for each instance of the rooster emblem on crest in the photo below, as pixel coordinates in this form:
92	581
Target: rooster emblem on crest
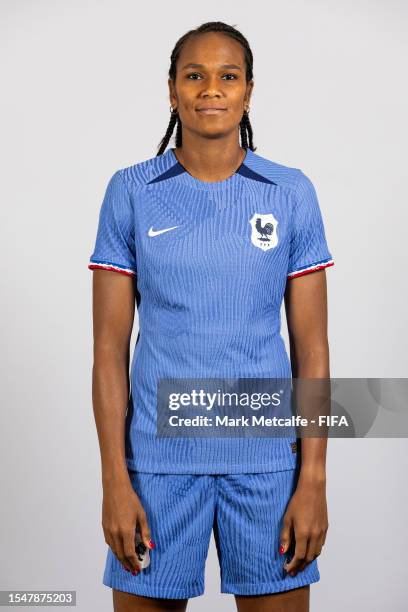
264	231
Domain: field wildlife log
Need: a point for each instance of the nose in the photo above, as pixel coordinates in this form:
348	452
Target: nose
212	87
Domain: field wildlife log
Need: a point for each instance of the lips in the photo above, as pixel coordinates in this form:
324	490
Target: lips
210	110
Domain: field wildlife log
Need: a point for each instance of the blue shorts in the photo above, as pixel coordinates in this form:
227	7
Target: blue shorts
244	510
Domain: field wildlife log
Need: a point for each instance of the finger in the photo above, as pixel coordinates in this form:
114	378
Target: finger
314	547
313	550
129	549
145	530
300	552
310	547
285	536
117	549
319	544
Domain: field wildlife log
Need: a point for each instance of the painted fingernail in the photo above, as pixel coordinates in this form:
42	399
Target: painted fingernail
281	549
151	544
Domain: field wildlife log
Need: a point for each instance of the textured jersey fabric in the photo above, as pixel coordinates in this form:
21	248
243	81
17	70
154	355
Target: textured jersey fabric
244	510
211	261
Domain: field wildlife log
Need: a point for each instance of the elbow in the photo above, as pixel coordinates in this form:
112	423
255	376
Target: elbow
312	361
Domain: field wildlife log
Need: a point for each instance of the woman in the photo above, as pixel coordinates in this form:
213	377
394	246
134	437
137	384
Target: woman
216	236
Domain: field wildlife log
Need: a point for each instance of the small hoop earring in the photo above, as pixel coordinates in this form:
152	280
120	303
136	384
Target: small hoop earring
173	110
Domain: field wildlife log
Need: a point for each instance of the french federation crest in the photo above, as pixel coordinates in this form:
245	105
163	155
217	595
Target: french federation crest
264	234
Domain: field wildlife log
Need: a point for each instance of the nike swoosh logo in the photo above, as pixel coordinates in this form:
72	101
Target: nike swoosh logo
152	232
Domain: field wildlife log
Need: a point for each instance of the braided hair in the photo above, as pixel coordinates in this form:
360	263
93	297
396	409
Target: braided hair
245	127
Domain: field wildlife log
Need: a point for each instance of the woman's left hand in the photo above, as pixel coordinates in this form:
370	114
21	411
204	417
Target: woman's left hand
306	521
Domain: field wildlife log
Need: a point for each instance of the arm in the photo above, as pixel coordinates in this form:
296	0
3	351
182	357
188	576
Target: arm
113	316
306	312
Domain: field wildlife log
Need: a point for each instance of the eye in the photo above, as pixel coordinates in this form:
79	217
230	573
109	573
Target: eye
197	74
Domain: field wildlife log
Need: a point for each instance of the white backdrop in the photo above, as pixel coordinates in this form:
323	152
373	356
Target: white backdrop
84	93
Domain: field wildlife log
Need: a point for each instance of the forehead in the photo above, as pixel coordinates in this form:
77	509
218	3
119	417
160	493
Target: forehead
211	48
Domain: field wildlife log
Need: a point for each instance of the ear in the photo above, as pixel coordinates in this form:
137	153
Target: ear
248	92
172	93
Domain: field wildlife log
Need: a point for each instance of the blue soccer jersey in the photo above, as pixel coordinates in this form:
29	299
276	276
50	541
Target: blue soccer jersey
211	262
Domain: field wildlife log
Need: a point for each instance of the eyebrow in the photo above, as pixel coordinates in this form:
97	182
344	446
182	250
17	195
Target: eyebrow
229	66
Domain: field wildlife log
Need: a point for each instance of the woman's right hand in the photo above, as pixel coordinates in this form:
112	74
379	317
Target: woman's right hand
122	512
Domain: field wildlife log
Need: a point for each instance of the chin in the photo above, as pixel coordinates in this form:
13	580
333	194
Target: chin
215	134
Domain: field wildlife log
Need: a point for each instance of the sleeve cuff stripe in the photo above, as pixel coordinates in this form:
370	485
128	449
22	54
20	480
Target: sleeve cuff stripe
106	265
312	268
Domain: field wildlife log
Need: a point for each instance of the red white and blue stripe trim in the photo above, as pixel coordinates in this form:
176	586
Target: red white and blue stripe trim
109	265
317	265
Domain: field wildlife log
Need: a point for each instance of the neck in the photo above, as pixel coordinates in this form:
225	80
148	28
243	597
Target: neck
210	159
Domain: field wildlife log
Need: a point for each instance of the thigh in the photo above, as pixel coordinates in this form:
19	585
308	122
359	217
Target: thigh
180	512
294	600
126	602
248	522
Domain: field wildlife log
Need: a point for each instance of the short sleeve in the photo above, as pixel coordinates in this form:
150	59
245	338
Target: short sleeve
115	239
308	247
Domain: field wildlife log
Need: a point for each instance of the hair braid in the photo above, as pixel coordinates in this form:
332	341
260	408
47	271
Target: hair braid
245	127
243	131
179	132
165	140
